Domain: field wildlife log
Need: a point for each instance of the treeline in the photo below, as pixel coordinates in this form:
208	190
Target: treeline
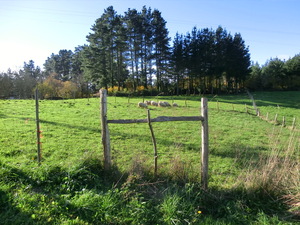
132	50
276	74
132	53
21	84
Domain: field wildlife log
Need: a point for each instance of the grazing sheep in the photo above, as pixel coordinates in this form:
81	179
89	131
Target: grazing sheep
175	104
161	104
142	105
167	104
154	103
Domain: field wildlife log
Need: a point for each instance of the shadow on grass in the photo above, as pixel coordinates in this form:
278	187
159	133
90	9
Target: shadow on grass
88	194
96	130
243	155
10	214
160	140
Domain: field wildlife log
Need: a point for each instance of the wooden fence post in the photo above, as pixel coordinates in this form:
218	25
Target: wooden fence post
38	131
104	129
275	119
154	144
294	123
204	159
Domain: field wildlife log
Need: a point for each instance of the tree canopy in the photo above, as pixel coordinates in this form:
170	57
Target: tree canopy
132	52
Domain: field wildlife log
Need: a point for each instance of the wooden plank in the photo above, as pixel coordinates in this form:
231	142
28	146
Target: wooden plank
204	144
105	130
158	119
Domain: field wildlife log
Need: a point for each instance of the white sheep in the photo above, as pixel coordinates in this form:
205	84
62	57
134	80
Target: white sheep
175	104
154	103
142	105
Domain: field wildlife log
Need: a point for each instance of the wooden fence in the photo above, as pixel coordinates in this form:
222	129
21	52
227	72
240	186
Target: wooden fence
204	136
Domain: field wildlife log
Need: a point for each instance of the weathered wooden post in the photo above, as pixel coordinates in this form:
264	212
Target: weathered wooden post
275	119
258	112
38	131
154	143
294	123
104	129
204	160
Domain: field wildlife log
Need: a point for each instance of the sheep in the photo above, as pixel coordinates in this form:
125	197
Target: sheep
142	105
161	104
148	102
154	103
167	104
175	104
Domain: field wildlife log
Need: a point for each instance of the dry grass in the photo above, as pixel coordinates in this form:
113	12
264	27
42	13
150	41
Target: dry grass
278	173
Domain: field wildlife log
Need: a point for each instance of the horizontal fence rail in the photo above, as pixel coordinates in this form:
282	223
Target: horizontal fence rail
159	119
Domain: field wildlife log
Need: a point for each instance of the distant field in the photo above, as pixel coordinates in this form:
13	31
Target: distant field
70	186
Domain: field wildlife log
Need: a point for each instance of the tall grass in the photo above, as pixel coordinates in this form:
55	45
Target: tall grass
277	174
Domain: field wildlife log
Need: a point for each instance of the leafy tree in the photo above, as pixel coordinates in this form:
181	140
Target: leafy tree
68	90
255	80
293	72
275	74
50	88
6	85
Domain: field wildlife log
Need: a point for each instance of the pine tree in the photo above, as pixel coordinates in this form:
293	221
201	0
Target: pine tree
161	47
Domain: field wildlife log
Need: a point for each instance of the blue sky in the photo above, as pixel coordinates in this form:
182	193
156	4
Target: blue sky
33	29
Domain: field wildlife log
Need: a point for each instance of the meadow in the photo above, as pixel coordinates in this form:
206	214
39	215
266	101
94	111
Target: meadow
254	170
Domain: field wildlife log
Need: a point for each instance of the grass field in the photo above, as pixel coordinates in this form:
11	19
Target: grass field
253	163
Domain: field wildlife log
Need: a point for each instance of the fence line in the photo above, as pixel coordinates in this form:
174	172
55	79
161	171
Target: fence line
258	113
204	144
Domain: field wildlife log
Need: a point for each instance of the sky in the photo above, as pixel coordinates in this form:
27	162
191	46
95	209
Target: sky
34	29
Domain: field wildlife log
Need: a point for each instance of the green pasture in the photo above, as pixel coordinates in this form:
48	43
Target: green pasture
71	187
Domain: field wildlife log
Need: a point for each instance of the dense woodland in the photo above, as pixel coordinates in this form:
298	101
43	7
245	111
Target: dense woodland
133	54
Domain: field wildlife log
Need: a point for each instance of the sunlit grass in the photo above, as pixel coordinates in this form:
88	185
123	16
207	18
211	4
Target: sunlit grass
70	186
